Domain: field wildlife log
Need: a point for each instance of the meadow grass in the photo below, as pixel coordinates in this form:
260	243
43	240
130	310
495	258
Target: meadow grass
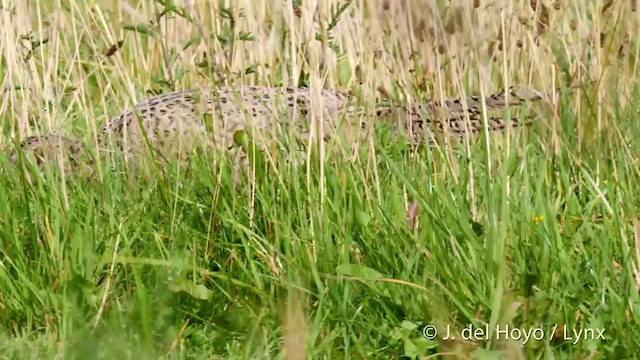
329	256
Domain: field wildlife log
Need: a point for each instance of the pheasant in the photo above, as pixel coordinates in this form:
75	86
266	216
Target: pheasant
178	122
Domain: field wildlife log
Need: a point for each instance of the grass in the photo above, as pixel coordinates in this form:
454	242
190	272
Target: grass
327	257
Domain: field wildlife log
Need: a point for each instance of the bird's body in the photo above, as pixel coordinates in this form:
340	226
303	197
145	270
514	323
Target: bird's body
176	123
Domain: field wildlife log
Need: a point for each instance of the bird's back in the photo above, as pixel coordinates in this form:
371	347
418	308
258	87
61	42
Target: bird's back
176	120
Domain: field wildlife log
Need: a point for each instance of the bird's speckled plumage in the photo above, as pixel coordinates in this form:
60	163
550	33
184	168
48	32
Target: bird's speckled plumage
176	123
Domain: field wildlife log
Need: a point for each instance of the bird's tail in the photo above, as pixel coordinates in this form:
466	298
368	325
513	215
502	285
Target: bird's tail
457	117
516	95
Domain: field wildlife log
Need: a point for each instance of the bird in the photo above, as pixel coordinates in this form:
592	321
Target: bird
176	123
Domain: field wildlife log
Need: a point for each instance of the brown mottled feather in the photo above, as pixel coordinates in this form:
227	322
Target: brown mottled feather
178	122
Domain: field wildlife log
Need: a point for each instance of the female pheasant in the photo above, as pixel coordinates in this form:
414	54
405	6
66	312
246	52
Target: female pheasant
176	123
